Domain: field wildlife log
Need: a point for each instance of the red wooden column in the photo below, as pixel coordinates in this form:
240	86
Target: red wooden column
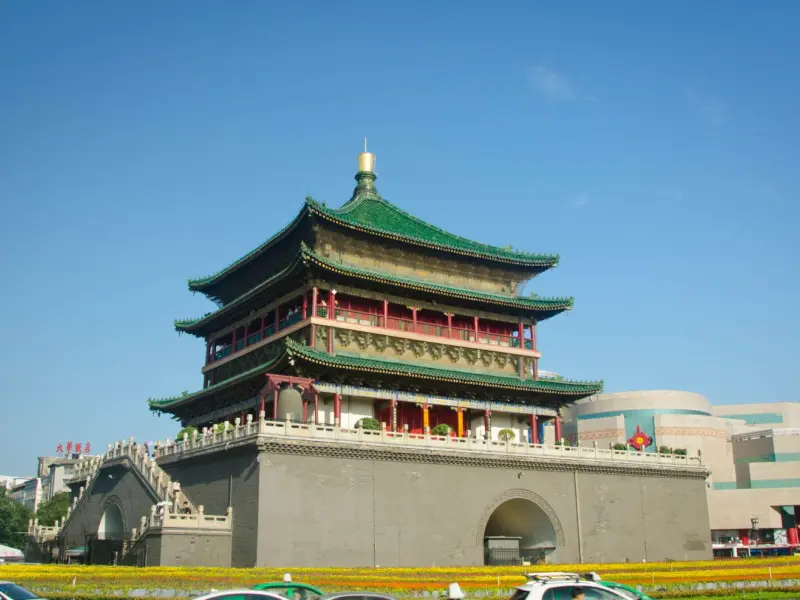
521	334
316	407
275	404
332	304
385	314
337	409
449	325
476	329
487	420
261	405
534	429
313	332
305	305
414	319
557	424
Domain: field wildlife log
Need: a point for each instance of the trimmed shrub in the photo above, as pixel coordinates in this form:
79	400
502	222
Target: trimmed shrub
619	446
441	429
506	435
369	424
187	430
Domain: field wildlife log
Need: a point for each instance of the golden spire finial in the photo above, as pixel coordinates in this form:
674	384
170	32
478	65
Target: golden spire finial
366	160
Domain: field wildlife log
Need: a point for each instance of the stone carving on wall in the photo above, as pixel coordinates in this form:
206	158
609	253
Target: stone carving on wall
453	353
471	354
322	334
486	358
418	348
380	342
437	350
501	359
362	339
344	337
400	345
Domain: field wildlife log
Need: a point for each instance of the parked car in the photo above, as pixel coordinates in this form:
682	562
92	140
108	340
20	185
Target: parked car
242	594
626	590
291	590
12	591
562	586
357	596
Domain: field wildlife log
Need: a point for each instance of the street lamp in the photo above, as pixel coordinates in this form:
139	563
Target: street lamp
754	523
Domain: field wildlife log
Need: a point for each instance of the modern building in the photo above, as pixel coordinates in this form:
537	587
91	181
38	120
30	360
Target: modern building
752	451
370	377
28	493
8	482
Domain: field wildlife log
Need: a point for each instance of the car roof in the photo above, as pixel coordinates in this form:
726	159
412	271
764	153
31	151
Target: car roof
356	593
242	591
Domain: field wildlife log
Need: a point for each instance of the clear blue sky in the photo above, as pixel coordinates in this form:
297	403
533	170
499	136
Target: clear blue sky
654	146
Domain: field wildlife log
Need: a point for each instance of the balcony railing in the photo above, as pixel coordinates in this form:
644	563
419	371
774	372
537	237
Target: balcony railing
369	319
239	430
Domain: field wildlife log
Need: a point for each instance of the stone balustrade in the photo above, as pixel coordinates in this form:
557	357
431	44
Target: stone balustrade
230	432
43	533
88	468
176	520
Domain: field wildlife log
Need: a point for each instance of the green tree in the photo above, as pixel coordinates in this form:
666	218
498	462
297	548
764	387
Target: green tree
54	509
14	519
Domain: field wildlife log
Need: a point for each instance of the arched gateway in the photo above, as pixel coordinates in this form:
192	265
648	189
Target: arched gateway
112	525
519	526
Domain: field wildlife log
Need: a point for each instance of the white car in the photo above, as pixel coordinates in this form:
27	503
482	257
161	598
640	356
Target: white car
12	591
242	594
563	586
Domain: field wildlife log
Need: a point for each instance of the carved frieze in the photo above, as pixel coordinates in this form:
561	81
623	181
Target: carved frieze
453	353
418	348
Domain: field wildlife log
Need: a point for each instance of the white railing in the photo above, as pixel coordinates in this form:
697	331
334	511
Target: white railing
43	533
170	520
88	468
227	432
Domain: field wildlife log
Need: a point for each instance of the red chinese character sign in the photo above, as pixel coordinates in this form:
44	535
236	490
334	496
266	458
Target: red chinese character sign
71	448
640	440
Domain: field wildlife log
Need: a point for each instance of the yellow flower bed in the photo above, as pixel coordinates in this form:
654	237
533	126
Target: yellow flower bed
88	580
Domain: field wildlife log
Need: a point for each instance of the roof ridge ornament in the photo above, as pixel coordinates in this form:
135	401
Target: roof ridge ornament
366	174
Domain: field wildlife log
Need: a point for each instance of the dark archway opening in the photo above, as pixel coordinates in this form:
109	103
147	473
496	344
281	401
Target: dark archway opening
518	532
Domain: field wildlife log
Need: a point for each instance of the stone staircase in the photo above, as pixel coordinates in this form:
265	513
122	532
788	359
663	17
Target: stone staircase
86	471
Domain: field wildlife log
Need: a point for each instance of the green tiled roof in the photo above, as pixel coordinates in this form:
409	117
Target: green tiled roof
201	282
371	213
543	308
574	389
531	302
166	403
292	348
